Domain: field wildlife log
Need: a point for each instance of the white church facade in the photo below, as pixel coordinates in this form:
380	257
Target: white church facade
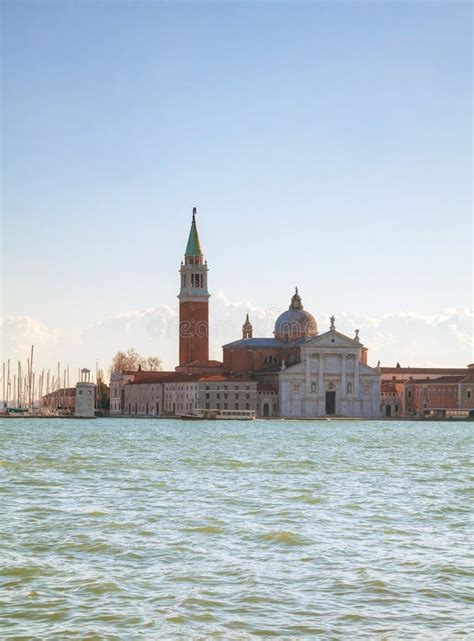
331	379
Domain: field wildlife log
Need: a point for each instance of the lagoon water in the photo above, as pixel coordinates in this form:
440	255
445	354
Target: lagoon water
165	529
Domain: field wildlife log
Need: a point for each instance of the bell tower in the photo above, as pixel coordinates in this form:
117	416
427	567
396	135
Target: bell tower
193	301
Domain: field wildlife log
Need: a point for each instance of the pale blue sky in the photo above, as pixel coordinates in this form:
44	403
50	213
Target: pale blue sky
325	144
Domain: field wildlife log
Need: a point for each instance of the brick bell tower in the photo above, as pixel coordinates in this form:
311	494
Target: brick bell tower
193	302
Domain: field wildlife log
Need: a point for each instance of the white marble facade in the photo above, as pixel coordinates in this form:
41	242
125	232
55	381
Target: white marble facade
331	379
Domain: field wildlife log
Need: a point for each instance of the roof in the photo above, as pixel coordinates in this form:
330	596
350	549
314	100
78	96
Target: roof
173	377
441	380
469	378
63	391
169	377
453	371
193	248
256	343
202	364
265	388
218	378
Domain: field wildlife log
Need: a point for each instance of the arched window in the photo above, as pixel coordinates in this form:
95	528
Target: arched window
270	359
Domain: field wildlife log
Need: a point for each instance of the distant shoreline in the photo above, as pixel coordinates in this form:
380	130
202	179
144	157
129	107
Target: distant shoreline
261	418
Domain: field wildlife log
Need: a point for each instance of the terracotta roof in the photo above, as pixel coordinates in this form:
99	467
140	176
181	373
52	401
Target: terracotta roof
441	380
202	364
453	371
174	377
167	377
63	391
217	378
469	378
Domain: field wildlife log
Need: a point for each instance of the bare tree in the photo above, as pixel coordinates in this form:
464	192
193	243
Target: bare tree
132	361
153	364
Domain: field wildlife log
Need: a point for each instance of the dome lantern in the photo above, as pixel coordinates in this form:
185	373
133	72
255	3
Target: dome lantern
296	322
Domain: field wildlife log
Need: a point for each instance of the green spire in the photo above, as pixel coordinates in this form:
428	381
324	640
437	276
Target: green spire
193	248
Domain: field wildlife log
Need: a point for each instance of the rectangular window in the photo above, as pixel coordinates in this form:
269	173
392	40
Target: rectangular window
296	389
469	394
236	406
313	388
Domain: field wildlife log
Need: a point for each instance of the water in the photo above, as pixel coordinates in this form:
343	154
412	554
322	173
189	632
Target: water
142	529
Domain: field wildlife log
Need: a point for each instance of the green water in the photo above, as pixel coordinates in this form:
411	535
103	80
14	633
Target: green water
142	529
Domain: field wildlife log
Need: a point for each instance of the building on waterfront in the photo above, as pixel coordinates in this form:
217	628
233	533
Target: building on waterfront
179	394
308	374
61	399
296	372
390	399
424	391
466	391
332	378
85	396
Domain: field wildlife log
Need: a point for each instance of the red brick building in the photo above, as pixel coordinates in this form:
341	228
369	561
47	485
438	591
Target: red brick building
193	302
423	391
249	356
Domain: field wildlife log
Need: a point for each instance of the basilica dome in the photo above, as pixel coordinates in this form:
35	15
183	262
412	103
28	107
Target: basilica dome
296	322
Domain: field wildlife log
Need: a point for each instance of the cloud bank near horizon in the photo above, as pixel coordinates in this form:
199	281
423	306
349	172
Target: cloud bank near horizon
444	339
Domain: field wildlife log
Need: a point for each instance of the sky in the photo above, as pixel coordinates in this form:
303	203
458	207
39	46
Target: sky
325	145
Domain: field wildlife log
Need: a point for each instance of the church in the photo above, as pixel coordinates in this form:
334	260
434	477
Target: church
314	375
297	372
300	373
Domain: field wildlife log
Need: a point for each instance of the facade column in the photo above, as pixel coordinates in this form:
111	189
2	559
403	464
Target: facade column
321	385
307	400
343	376
356	377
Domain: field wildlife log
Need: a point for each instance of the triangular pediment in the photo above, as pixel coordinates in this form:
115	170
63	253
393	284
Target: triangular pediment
332	338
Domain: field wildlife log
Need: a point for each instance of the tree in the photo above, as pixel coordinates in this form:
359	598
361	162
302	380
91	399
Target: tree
153	364
131	360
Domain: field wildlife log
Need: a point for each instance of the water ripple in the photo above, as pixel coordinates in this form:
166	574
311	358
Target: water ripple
172	530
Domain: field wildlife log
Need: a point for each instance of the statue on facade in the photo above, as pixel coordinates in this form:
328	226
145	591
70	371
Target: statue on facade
333	320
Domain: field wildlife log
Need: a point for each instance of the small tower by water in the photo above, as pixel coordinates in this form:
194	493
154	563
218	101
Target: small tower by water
85	395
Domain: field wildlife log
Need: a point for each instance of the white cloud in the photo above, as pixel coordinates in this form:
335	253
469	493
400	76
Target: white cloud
411	338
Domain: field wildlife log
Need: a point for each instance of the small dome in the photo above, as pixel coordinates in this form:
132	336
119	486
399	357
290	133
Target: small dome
296	322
